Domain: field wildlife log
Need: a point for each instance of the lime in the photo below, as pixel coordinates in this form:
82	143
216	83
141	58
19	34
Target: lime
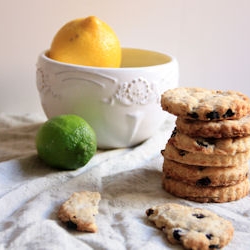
66	142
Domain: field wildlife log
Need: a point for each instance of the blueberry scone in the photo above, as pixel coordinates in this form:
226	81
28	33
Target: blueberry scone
223	146
216	129
194	228
218	194
205	105
79	210
200	159
201	176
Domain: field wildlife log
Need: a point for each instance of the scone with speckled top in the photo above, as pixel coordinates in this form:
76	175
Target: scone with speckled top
79	210
201	176
216	194
215	129
200	159
206	105
194	228
198	144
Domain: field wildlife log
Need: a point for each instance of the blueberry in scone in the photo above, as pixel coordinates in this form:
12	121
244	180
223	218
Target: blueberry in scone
79	210
194	228
205	105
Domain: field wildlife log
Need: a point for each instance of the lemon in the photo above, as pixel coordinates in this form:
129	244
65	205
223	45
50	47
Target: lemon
66	142
86	41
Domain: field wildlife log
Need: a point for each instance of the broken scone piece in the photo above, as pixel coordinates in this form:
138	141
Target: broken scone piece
79	210
194	228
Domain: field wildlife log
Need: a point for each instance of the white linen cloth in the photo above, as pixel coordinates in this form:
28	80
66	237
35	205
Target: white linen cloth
128	179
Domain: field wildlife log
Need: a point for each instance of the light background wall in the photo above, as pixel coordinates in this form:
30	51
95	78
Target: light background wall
210	39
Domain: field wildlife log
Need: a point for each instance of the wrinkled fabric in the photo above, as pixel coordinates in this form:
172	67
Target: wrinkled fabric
128	179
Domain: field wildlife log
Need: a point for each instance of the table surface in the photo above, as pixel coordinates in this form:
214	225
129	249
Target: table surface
128	179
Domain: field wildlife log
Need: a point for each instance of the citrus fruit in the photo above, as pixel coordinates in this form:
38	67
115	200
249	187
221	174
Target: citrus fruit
66	142
86	41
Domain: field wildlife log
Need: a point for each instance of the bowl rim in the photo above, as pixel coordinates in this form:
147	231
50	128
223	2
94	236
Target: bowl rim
171	59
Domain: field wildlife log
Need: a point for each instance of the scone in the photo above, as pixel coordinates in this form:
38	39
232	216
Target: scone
79	210
198	144
216	129
200	159
201	176
205	105
217	194
194	228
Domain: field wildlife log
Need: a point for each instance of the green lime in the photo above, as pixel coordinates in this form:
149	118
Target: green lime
66	142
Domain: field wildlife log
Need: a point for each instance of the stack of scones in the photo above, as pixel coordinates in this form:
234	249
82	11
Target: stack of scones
206	158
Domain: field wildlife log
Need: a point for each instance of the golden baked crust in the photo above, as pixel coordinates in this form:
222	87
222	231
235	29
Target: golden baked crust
200	159
206	105
218	146
79	210
204	176
207	194
194	228
216	129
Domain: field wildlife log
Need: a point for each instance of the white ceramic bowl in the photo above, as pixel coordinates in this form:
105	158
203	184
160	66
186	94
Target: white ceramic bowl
121	104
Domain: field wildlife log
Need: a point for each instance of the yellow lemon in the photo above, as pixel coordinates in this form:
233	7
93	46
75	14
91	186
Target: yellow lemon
66	142
86	41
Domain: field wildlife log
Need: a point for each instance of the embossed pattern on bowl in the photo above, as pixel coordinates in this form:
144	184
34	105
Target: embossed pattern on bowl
121	104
